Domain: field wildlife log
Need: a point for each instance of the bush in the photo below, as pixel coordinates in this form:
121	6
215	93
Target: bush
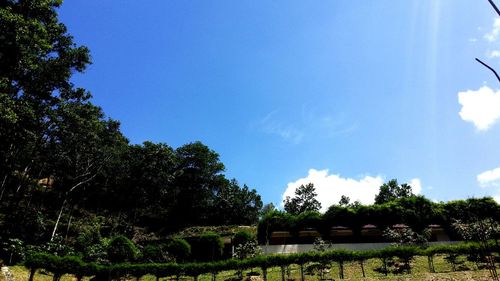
242	237
154	253
121	249
208	247
179	249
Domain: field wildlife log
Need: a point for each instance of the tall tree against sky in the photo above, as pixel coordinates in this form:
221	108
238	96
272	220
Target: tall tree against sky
37	59
304	200
391	191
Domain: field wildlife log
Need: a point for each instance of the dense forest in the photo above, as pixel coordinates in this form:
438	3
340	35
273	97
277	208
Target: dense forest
65	165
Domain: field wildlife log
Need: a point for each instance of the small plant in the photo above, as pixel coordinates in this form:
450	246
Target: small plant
248	249
14	250
321	245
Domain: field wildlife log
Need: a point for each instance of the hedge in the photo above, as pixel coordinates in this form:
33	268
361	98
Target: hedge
74	265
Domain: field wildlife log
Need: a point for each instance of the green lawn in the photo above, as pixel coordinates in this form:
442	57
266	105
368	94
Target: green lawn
352	271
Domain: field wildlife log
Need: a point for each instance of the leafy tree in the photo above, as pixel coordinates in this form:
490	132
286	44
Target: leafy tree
344	201
235	205
391	191
37	60
198	176
266	209
304	200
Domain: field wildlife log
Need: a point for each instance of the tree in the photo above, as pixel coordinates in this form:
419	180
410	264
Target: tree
235	205
344	201
266	209
304	200
196	181
391	191
37	59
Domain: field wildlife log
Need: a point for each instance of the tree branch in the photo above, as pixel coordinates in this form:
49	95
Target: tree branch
490	68
494	6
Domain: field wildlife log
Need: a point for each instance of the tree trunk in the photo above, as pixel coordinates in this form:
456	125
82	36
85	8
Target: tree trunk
32	274
57	277
264	274
430	261
341	269
282	273
69	224
302	272
58	219
3	187
362	268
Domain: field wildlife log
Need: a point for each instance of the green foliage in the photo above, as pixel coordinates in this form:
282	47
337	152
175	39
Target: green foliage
241	237
391	191
417	212
396	260
405	236
13	251
247	249
179	249
304	200
207	247
121	249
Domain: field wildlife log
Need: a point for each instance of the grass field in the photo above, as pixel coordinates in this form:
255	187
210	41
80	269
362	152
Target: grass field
352	271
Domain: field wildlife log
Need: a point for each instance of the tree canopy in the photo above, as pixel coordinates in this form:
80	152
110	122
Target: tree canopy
391	191
63	162
304	200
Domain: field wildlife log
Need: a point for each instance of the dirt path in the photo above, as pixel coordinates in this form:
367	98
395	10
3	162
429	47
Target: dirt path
7	274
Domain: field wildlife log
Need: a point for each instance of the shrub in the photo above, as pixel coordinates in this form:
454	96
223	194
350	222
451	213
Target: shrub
154	253
179	249
242	237
208	247
121	249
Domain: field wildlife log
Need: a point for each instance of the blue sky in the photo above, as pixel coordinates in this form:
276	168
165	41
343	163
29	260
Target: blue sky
344	94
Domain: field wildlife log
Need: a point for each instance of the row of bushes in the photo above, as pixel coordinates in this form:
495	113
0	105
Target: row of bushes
73	265
118	249
417	212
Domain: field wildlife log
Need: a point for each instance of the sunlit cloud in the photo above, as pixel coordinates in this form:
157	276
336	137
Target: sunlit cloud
492	35
490	178
481	107
493	54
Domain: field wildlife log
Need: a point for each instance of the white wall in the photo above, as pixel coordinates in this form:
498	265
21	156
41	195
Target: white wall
299	248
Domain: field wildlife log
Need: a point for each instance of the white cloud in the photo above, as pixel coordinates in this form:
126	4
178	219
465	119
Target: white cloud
493	54
416	185
481	107
271	125
492	36
331	187
302	127
489	178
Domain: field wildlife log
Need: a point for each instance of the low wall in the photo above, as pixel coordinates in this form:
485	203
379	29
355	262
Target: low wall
300	248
